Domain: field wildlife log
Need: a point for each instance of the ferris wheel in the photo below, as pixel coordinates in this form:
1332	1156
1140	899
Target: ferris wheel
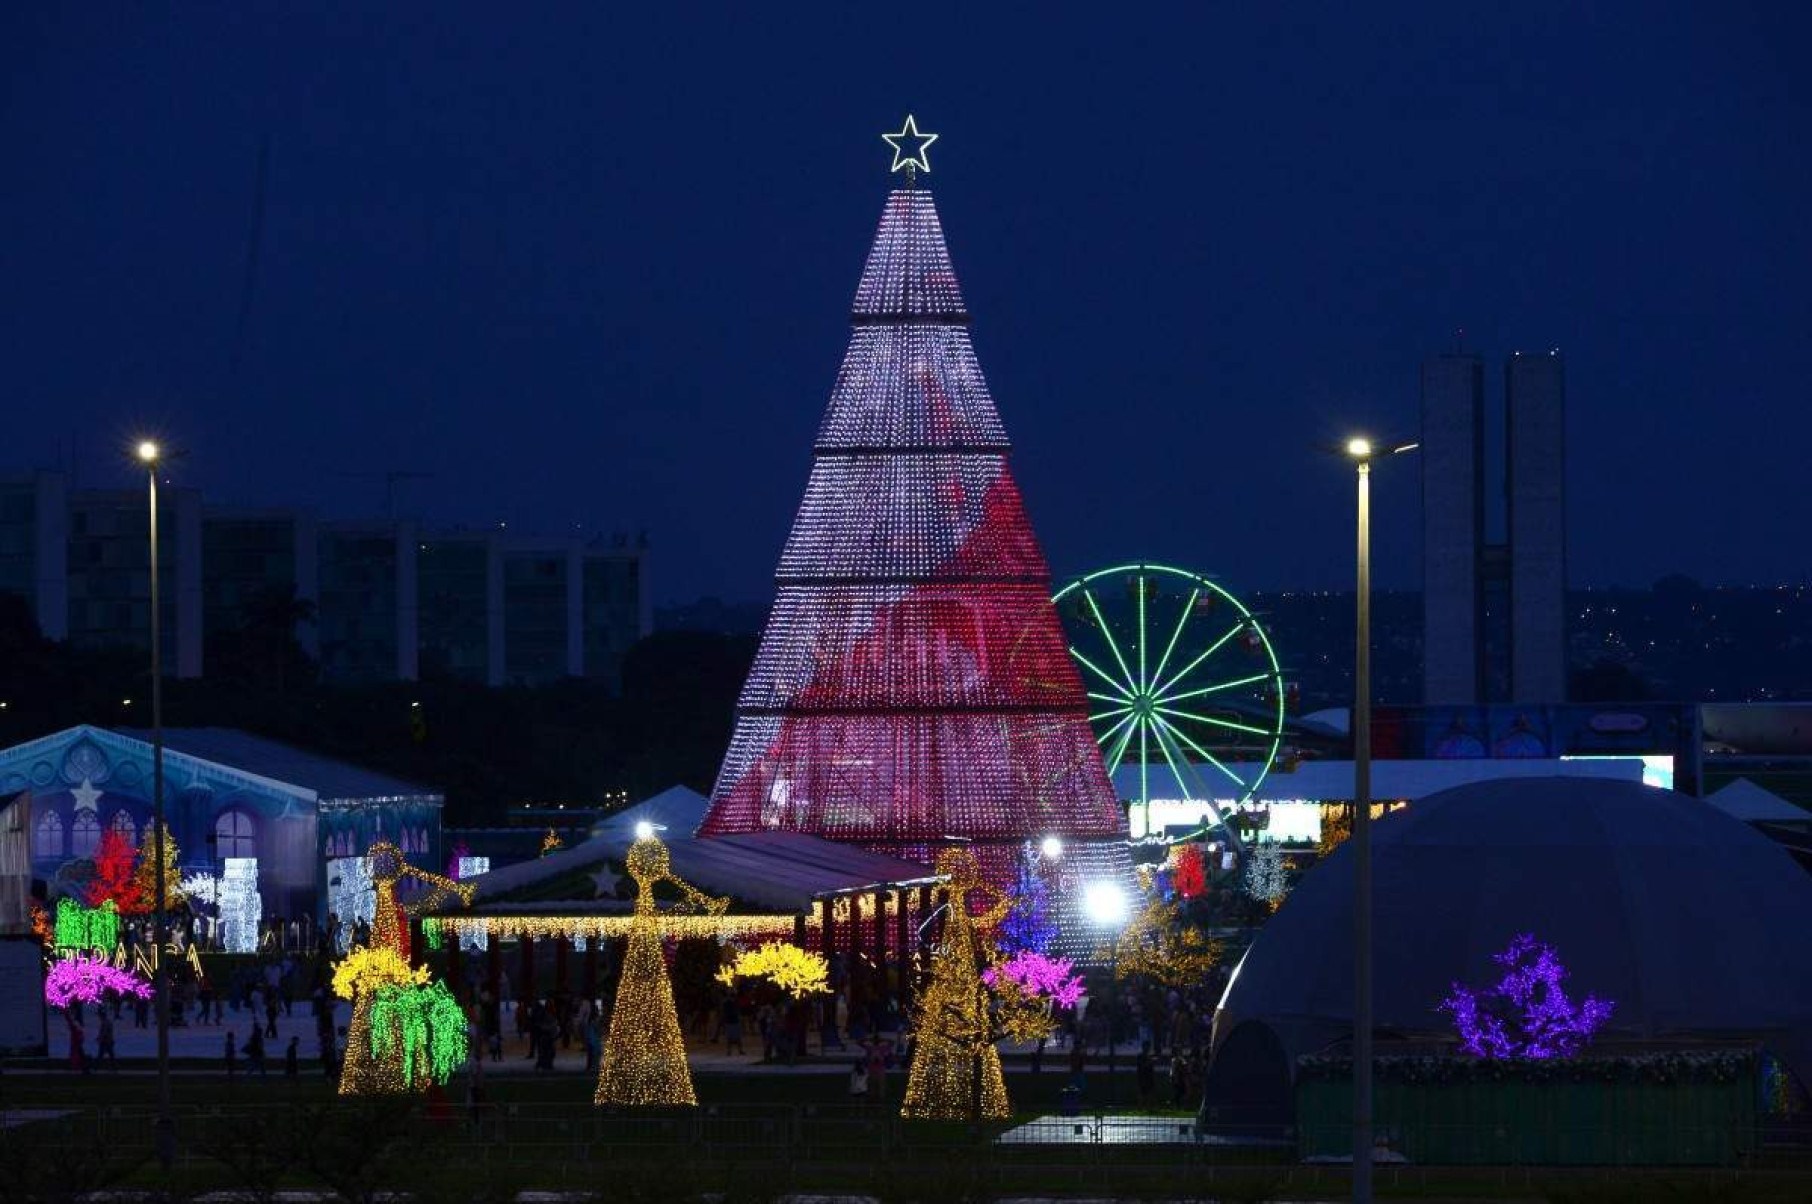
1182	681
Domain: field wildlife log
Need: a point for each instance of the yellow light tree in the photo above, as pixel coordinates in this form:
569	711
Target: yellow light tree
798	972
364	972
955	1065
644	1054
1160	946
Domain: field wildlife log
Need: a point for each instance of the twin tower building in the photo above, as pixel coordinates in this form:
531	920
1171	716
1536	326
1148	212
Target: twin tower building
1494	583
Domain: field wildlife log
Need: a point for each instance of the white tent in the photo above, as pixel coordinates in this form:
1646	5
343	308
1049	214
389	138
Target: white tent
1753	805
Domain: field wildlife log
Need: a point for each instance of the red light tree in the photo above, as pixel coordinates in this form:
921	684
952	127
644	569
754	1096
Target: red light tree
114	862
913	682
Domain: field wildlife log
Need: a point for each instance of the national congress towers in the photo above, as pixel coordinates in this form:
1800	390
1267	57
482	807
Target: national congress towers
1494	605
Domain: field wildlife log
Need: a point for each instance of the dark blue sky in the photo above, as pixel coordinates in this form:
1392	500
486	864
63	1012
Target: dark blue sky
591	264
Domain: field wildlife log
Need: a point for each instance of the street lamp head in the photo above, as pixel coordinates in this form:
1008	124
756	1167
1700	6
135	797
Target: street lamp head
1359	449
644	830
1105	904
1051	847
148	452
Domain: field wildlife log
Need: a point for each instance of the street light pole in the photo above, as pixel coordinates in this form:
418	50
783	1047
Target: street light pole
1361	451
165	1135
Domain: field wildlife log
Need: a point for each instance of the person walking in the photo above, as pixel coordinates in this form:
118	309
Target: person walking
732	1025
270	1015
254	1052
105	1052
589	1034
78	1058
1146	1072
292	1060
858	1082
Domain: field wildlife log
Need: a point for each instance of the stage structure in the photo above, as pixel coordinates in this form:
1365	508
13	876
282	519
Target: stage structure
914	684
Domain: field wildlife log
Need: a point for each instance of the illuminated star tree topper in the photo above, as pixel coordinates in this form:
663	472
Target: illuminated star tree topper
910	147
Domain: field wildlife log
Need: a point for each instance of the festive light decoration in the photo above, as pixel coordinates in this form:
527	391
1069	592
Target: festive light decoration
114	880
474	930
644	1054
913	683
1187	687
1159	946
1036	975
1028	925
42	926
909	147
1526	1013
240	905
956	1067
423	1025
90	928
144	874
378	1050
551	842
797	972
86	980
364	971
470	867
1268	876
1188	873
350	895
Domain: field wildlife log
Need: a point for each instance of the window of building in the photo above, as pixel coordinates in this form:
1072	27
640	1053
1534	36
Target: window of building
122	823
47	837
84	835
235	834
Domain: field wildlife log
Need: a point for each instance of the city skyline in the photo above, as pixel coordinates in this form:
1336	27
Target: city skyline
1197	252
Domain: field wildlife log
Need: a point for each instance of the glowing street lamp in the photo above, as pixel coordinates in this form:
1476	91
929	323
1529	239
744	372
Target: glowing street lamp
1361	451
644	830
1104	903
151	456
1051	847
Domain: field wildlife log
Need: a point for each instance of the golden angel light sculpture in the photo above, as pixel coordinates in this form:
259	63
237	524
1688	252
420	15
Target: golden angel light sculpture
956	1067
644	1054
382	969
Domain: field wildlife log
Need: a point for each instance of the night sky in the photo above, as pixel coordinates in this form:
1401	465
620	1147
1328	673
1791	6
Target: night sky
592	264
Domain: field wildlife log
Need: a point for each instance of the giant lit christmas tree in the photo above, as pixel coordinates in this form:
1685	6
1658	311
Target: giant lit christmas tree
913	683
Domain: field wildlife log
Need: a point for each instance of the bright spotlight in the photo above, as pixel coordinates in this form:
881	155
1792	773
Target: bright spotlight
1359	449
1105	904
644	830
1052	848
147	452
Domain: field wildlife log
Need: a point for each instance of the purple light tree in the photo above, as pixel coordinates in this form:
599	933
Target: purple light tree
1526	1013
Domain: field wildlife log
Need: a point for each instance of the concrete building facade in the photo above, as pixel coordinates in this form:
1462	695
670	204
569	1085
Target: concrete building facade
1494	611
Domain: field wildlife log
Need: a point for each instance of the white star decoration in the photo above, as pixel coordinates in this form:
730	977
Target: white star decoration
604	883
86	796
916	158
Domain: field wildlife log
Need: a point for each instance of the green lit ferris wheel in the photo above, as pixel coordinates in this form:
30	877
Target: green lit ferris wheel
1186	696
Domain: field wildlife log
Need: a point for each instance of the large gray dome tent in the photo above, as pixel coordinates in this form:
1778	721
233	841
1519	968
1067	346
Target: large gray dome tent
1690	921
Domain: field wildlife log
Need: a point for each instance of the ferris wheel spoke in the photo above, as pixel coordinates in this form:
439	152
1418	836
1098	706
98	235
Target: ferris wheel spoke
1130	723
1108	635
1103	674
1213	722
1204	753
1175	771
1213	648
1145	768
1142	640
1182	621
1215	689
1108	714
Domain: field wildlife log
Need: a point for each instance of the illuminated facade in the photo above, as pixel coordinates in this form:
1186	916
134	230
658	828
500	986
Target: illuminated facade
913	682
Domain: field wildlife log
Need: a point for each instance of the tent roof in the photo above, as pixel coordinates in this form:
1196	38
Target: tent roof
1689	921
677	809
1754	804
784	870
331	780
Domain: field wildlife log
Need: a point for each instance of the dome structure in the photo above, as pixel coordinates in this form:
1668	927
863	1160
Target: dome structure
1688	920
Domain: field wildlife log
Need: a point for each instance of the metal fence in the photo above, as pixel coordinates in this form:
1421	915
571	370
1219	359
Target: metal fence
870	1151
